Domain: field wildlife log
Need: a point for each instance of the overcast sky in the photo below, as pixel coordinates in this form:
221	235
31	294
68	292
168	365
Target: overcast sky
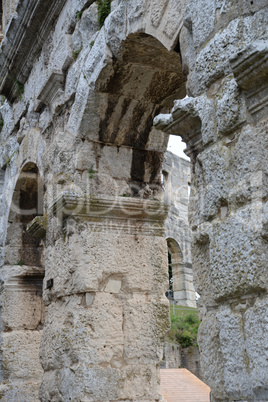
176	146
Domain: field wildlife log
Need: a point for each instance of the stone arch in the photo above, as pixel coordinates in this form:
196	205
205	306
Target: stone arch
26	204
182	287
22	276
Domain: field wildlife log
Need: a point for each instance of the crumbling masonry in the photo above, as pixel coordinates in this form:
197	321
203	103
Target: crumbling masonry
83	128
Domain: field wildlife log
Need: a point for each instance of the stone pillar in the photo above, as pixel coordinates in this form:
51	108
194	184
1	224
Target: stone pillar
226	132
107	314
21	328
183	288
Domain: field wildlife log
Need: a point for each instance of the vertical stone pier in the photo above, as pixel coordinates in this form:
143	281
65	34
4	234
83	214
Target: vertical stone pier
226	133
106	310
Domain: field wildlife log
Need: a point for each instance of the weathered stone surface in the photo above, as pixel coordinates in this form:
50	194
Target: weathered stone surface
226	62
80	109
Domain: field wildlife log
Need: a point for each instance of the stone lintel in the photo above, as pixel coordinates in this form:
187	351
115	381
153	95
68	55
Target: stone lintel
250	66
22	278
146	216
185	124
27	31
52	88
38	226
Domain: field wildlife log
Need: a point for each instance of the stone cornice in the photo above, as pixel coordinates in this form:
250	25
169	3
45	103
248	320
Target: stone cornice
22	278
250	68
27	31
37	227
113	214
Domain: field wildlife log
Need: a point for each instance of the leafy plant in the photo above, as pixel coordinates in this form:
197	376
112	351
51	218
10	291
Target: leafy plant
1	122
104	9
91	172
184	327
92	43
8	161
79	15
19	89
76	53
20	262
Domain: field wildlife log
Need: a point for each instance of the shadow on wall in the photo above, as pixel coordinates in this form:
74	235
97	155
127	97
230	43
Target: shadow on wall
27	203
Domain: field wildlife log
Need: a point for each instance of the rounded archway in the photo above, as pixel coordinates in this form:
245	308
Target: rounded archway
27	203
141	83
181	288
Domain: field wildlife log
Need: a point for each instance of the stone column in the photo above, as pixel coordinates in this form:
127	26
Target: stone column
21	328
226	132
106	274
183	289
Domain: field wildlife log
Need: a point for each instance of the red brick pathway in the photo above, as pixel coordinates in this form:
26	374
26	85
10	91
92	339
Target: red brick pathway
179	385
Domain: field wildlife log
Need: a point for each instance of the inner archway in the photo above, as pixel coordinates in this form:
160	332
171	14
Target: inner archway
27	203
141	83
23	311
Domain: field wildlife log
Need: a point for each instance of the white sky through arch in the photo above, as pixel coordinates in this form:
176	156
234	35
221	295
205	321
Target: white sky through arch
176	146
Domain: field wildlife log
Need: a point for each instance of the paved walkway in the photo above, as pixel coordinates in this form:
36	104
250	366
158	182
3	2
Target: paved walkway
179	385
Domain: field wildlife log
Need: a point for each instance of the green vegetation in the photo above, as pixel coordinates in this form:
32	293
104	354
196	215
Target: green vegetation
76	53
184	326
104	9
92	43
79	15
1	122
91	172
9	159
20	263
19	89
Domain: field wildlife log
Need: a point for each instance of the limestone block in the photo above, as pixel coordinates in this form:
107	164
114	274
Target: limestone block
234	338
211	355
62	54
231	110
113	286
243	268
175	9
85	157
200	16
72	327
86	28
115	27
6	114
189	118
20	390
84	118
212	62
146	322
20	355
72	79
22	308
116	162
256	334
87	260
157	11
137	14
100	56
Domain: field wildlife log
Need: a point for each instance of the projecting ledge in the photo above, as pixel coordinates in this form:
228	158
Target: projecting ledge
150	214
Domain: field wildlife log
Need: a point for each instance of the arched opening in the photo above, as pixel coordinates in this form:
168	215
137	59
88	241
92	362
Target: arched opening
27	203
22	313
143	82
181	277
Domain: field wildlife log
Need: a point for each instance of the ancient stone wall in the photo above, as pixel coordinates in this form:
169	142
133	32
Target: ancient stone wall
176	181
80	103
224	122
